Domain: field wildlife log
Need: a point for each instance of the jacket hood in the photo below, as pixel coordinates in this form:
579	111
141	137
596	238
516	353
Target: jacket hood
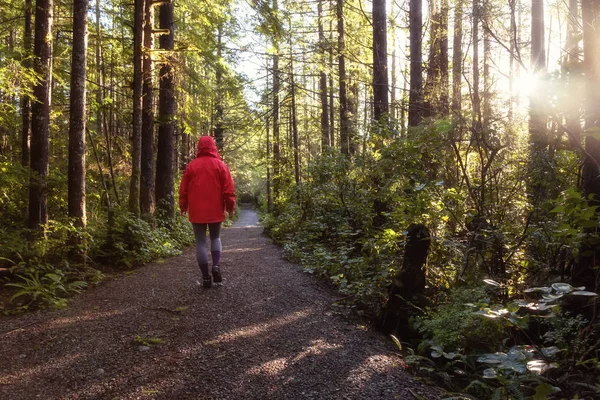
207	147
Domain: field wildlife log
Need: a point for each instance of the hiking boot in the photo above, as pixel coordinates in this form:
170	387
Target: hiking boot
216	273
206	282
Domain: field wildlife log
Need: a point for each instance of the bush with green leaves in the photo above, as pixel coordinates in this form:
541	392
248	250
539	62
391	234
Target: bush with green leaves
132	241
453	326
40	284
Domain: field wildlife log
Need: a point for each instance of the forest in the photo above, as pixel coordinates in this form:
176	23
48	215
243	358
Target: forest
436	162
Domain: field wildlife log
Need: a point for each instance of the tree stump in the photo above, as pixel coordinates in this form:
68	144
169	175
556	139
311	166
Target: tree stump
407	291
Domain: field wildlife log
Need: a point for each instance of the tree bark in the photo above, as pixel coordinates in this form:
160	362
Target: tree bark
77	119
269	178
276	116
432	81
331	91
585	272
407	291
136	144
513	50
415	106
487	55
476	116
537	120
38	196
380	69
572	47
294	119
325	141
25	100
165	178
218	131
147	163
353	110
344	120
444	78
457	56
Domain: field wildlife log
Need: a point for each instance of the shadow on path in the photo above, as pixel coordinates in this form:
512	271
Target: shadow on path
270	332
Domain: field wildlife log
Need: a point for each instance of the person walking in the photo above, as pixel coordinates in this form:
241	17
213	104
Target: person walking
205	193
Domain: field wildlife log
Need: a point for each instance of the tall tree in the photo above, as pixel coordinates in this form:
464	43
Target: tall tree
444	78
331	69
294	117
572	60
457	56
25	100
431	87
380	69
165	168
219	107
276	116
136	145
586	271
147	158
513	48
344	120
487	59
268	144
476	113
40	127
77	119
537	120
325	140
415	103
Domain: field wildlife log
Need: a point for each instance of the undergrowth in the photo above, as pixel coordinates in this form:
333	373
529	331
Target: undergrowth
521	335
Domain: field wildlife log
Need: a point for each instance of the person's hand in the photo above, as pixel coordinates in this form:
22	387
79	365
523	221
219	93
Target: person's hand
184	213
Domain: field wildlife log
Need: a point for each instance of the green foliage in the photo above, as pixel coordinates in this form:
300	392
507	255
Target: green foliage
132	241
44	285
453	325
14	181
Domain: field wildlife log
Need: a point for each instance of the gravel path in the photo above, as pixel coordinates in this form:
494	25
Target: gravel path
270	332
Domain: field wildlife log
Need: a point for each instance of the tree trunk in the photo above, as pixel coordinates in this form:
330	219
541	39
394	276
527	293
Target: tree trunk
513	50
331	91
25	100
136	144
487	55
218	131
40	110
572	46
415	106
586	270
353	109
276	122
537	120
380	69
166	107
77	119
344	121
457	56
394	72
444	78
267	125
475	91
431	86
294	119
147	164
407	291
325	140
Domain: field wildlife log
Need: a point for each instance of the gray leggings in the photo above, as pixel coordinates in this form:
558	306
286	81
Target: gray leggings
215	240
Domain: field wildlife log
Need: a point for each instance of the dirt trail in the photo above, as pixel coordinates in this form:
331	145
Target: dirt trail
270	332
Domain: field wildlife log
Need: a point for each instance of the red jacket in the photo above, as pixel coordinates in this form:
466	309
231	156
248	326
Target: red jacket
206	189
